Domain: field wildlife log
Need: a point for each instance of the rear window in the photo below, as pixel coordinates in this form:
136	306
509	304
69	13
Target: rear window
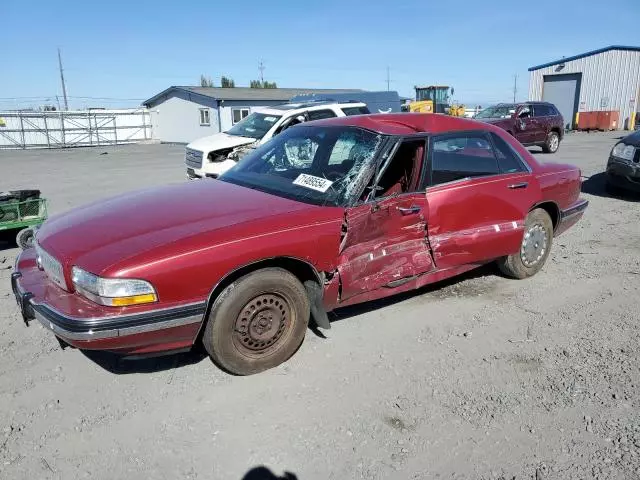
348	111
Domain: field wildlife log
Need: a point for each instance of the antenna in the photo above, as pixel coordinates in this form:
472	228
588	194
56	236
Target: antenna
515	87
64	88
261	67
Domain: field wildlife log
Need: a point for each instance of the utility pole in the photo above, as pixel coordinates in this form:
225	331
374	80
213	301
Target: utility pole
261	67
64	88
515	86
388	79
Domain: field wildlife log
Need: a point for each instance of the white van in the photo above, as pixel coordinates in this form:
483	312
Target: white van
213	155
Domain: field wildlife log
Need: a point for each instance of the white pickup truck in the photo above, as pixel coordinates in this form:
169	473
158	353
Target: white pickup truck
213	155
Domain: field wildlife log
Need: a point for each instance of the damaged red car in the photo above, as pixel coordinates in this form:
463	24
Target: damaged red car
327	214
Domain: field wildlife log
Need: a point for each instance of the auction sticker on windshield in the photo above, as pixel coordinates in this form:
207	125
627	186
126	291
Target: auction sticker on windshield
314	183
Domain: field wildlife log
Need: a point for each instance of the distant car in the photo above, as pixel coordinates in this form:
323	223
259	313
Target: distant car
213	155
623	167
327	214
532	123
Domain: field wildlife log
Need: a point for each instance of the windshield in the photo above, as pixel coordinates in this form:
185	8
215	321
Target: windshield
319	165
255	125
499	111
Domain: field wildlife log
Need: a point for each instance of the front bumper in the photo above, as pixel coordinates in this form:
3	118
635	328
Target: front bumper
131	333
623	174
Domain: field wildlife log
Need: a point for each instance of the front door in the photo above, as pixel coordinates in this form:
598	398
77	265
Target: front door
385	238
479	194
525	125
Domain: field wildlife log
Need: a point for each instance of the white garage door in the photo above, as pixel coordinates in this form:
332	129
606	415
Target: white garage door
563	91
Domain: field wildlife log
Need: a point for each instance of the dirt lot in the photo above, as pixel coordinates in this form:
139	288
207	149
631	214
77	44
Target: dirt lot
479	378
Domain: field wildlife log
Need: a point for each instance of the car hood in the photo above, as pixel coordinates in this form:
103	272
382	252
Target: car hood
219	141
106	237
633	139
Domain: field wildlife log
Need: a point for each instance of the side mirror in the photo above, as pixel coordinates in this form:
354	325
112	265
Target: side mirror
301	119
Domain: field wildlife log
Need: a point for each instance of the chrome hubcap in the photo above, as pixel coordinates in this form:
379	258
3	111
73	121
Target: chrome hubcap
554	143
534	245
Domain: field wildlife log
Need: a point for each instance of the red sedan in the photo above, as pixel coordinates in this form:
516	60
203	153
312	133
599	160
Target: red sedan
327	214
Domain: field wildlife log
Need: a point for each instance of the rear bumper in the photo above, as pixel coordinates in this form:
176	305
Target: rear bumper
571	215
143	332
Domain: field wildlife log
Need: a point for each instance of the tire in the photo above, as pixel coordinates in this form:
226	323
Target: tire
24	239
257	322
552	143
538	227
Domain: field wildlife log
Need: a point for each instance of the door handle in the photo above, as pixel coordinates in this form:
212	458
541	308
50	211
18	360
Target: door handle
515	186
409	211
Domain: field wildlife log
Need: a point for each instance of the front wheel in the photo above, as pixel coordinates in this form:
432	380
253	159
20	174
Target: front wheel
534	249
257	322
552	143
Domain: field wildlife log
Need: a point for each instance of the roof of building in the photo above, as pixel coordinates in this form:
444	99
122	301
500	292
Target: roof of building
587	54
247	93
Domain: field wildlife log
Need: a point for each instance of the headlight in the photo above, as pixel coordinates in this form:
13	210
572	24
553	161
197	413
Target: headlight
114	292
624	151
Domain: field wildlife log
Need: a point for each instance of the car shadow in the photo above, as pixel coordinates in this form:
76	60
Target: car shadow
435	288
120	365
263	473
596	185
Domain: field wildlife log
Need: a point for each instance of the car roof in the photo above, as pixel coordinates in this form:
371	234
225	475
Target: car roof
406	123
291	107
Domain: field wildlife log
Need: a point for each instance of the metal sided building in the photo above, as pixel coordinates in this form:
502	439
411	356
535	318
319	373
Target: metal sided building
604	79
184	114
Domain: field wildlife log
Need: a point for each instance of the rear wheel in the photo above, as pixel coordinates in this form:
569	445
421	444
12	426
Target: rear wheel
534	249
552	143
257	322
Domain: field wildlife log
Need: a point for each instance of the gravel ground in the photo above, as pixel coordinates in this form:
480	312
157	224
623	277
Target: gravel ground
477	378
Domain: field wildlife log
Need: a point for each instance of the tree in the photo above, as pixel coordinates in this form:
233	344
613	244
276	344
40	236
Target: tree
205	81
265	84
226	82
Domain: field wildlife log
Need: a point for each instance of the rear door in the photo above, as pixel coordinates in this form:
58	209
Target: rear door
540	121
385	239
479	194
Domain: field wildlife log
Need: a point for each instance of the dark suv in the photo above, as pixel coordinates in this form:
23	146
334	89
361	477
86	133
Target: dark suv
532	123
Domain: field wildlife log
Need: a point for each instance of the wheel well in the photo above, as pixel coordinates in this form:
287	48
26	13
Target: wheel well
552	209
302	270
557	130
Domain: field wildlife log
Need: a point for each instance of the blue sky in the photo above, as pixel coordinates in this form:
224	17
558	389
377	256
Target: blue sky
131	50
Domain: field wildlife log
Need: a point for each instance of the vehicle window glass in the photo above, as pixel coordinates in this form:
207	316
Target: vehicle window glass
525	112
320	114
401	173
541	111
497	111
348	111
454	158
255	125
508	160
322	166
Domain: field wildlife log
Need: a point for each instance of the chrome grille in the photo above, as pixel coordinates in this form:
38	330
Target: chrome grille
51	266
193	158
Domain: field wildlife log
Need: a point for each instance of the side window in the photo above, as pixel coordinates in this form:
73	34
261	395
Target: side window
348	111
238	114
205	119
320	114
525	112
401	173
508	160
463	156
541	111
